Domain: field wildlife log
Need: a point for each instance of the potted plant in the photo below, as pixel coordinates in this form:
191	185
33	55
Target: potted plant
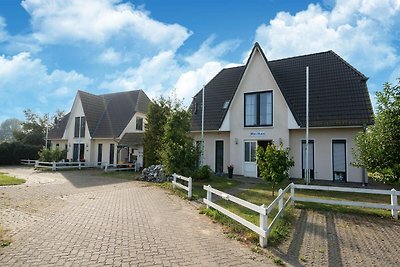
230	170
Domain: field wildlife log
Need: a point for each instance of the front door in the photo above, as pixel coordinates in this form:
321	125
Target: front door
339	160
79	149
219	156
310	158
249	165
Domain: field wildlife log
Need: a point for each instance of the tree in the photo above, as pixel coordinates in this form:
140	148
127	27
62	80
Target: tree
159	110
378	147
7	128
34	127
179	152
274	164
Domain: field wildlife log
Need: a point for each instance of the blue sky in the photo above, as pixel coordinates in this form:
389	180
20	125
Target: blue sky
51	48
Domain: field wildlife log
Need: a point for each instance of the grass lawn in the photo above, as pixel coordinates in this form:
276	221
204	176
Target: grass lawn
10	180
127	175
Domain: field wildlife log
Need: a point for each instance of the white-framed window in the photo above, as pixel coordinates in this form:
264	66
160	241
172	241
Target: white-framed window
250	151
258	109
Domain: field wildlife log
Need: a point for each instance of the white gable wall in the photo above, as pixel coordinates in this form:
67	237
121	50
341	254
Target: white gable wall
257	78
77	111
131	127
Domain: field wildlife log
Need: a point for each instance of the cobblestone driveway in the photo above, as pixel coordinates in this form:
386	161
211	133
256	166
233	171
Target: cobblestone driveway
83	218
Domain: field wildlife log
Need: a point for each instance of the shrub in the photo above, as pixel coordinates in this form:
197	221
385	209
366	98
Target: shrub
202	173
49	155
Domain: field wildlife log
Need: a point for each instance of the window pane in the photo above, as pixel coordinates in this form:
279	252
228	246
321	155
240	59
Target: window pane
266	108
253	151
247	151
139	123
83	123
76	129
251	110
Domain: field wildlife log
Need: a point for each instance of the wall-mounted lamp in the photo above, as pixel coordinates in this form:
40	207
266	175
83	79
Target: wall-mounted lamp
236	141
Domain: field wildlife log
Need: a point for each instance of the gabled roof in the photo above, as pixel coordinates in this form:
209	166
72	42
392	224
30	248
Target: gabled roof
108	115
57	131
338	92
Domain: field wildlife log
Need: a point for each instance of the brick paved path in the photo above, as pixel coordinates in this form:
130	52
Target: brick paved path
81	218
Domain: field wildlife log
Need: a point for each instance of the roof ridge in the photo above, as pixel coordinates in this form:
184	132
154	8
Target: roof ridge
123	92
305	55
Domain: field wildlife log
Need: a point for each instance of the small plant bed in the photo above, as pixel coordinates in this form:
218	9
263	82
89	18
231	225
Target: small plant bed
218	182
126	175
259	194
10	180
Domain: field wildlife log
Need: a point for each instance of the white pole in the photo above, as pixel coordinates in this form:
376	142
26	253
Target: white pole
79	140
202	128
307	173
47	133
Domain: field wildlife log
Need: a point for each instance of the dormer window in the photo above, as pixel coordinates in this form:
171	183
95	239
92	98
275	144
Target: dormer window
258	109
226	104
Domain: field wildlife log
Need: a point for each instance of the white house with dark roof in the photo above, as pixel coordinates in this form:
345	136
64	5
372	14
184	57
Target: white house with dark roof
103	128
264	101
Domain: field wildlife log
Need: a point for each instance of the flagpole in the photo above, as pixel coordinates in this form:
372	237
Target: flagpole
202	128
307	171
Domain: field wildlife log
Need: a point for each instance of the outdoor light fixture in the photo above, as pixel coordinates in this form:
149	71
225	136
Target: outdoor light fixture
236	141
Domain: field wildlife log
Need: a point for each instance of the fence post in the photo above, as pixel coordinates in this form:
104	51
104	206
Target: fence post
264	226
106	167
79	164
292	194
393	202
53	166
209	196
190	187
174	180
36	163
280	200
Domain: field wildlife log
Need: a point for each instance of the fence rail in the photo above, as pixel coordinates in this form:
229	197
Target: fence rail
62	165
188	188
393	206
28	161
121	167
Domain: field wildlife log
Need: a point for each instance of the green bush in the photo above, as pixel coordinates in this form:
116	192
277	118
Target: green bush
50	155
202	173
12	153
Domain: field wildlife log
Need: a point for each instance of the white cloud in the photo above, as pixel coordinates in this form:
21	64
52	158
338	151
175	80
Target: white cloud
358	30
97	21
111	57
25	82
3	32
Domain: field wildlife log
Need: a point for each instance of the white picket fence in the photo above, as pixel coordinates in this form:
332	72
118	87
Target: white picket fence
393	206
264	228
188	188
28	161
62	165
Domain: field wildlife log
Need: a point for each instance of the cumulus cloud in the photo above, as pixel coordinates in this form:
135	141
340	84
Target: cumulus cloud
111	57
25	82
358	30
97	21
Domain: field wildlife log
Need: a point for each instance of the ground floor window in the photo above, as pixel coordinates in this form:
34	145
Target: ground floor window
339	160
310	157
112	153
250	151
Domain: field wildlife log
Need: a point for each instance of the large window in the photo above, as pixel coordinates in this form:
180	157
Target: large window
258	109
79	130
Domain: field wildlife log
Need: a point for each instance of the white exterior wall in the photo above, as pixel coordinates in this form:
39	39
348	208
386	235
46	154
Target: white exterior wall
77	111
209	147
61	144
257	78
323	152
106	150
131	127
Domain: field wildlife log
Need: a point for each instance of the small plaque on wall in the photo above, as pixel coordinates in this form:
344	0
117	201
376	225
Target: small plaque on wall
257	133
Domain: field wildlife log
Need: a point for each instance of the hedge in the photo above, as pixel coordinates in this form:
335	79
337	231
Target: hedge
12	153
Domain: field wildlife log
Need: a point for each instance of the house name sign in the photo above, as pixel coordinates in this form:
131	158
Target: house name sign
257	133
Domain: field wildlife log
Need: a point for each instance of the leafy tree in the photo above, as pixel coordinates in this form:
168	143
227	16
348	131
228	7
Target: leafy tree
274	164
157	115
34	127
378	147
179	152
7	128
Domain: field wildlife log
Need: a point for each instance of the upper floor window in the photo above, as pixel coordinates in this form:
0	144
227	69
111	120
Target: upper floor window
80	124
139	123
258	109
